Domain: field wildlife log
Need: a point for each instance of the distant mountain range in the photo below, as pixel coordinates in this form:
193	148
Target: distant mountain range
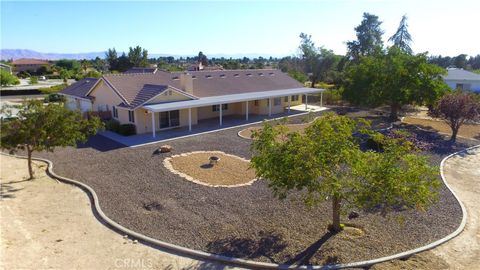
6	54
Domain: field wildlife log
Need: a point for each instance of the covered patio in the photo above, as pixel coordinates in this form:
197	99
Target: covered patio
203	126
220	101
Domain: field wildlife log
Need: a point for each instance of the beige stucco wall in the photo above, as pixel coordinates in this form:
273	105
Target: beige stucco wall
143	120
167	96
105	98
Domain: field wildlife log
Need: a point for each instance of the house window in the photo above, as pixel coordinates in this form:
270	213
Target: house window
216	108
131	116
295	98
115	112
277	101
286	99
255	103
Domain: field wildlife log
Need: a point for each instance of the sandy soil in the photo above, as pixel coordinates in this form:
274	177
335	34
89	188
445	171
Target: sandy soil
463	252
229	171
47	224
467	130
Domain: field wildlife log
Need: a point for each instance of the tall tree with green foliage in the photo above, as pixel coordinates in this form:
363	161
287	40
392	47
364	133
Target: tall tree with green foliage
394	78
402	38
202	58
318	62
456	109
369	37
42	128
326	163
112	58
138	57
8	79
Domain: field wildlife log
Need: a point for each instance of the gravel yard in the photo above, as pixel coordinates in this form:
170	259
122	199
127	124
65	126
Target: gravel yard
246	222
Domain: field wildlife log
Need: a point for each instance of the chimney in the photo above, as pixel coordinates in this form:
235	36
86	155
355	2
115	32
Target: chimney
186	82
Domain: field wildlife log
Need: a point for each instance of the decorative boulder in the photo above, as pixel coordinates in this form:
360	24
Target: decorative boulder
353	215
165	148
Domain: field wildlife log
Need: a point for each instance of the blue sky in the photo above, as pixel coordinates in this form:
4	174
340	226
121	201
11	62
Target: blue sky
265	27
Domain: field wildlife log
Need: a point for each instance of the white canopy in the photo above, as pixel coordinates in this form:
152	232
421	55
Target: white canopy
216	100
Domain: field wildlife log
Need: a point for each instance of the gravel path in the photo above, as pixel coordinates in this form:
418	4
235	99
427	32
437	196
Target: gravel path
244	222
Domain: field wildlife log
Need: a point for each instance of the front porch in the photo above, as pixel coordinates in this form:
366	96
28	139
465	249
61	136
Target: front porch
203	126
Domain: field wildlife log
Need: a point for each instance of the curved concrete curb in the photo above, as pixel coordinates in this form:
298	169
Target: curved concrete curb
246	263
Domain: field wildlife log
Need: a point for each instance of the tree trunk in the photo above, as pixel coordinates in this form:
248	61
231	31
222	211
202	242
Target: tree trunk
336	214
394	112
454	135
30	169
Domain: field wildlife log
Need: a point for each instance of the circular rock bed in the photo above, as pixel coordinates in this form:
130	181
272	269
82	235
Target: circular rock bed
212	168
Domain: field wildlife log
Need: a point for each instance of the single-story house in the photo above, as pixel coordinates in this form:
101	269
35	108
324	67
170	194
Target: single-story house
6	67
162	100
27	64
462	79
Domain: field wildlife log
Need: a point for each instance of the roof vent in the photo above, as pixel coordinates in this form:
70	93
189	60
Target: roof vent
194	77
222	75
208	76
260	74
236	75
249	74
271	74
176	78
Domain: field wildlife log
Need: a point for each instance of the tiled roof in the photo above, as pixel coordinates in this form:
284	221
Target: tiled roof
456	74
138	88
80	88
28	61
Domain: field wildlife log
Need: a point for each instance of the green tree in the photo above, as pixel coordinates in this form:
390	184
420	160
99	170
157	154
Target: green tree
8	79
202	58
318	62
402	38
138	57
326	163
112	58
394	78
42	128
369	37
456	109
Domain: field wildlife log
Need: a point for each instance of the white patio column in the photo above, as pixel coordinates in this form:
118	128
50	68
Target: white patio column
153	124
306	101
246	110
289	98
321	99
189	119
269	106
221	115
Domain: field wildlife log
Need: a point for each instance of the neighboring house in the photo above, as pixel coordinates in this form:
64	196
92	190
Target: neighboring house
6	67
26	64
158	101
462	79
200	67
140	70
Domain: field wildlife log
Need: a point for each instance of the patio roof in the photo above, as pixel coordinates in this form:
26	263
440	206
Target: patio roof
215	100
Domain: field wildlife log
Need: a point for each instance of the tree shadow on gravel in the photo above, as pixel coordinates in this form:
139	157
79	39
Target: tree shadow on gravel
7	191
100	143
305	256
267	245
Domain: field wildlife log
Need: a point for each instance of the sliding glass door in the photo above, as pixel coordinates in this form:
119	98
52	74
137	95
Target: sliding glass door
170	119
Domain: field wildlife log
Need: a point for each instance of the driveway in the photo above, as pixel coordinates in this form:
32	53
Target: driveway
463	175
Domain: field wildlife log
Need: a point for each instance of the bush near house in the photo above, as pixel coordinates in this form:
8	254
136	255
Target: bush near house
54	98
122	129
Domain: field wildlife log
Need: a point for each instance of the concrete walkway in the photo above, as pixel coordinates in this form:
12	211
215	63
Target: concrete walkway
462	173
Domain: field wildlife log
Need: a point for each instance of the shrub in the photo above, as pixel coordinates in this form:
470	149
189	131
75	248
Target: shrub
54	98
127	130
332	97
53	89
33	80
112	125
